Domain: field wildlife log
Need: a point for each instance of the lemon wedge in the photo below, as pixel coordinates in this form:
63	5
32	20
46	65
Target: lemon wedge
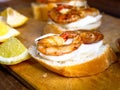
12	51
4	29
13	17
7	32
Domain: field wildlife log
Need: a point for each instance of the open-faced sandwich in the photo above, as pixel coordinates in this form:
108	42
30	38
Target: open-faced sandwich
67	17
79	3
42	7
73	53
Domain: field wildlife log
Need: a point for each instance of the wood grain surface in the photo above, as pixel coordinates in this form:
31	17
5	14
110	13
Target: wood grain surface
8	82
40	78
32	73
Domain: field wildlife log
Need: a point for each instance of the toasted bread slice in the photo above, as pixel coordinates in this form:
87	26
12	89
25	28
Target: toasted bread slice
97	64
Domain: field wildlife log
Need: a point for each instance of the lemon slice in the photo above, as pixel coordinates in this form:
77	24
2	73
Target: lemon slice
12	51
4	29
13	17
7	32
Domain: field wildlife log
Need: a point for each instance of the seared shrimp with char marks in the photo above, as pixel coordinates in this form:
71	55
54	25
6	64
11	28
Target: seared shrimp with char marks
64	14
55	45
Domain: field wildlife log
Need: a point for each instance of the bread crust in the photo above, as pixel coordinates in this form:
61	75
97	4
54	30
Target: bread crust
94	66
40	11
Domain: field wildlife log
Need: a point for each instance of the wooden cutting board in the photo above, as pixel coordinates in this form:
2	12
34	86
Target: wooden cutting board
40	78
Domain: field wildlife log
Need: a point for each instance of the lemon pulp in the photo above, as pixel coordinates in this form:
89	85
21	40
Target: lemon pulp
3	28
13	17
12	51
7	31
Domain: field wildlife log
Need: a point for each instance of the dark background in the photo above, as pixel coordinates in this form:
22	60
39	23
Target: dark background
111	7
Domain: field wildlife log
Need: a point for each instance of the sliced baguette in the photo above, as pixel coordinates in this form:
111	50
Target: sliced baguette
42	7
40	11
91	67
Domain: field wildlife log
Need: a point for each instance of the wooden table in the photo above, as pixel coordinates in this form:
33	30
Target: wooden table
9	82
8	79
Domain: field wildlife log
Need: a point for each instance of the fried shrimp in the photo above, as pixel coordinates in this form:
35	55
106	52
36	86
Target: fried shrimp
64	14
56	45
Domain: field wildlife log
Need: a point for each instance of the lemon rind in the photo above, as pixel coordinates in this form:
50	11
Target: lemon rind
14	60
19	23
14	20
11	32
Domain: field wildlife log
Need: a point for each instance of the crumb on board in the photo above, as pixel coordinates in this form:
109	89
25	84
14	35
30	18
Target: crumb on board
44	75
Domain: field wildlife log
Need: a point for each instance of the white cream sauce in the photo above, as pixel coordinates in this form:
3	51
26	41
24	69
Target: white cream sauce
84	53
